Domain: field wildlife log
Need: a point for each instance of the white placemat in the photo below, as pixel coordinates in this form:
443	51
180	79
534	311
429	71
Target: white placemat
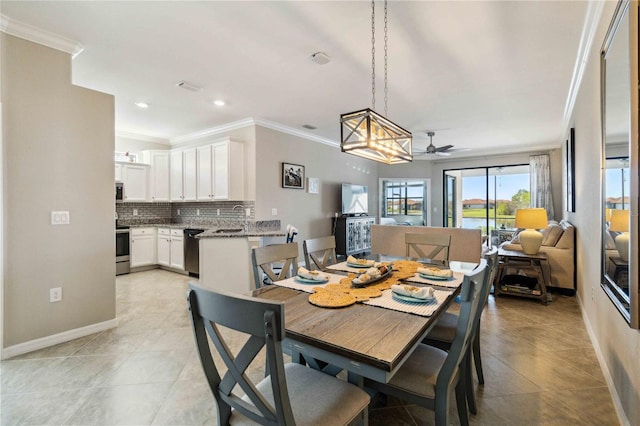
342	266
423	309
454	282
307	288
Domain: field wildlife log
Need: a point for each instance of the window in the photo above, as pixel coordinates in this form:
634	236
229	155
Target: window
404	200
485	197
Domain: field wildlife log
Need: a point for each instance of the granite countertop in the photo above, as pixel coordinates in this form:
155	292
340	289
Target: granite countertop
255	229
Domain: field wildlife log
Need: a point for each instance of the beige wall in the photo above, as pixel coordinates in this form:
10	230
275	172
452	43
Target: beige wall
136	146
311	213
58	143
618	344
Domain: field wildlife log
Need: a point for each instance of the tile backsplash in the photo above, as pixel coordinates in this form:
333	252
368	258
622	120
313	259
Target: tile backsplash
202	212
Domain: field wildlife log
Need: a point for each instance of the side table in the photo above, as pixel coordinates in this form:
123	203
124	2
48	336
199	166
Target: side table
539	263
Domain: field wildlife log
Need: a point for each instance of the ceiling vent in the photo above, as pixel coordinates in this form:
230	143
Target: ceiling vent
320	58
188	86
309	126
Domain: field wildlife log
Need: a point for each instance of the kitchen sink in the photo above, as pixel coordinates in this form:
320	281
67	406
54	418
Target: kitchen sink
228	230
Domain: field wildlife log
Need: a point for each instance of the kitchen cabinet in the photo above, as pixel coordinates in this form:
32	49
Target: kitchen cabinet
134	176
183	166
171	248
159	162
220	172
143	247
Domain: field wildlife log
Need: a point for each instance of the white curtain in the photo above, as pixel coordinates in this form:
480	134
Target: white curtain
540	183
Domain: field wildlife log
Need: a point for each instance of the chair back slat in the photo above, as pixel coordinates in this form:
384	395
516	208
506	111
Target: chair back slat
437	244
320	252
263	321
263	258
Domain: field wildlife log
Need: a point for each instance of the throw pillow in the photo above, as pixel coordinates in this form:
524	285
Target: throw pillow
551	235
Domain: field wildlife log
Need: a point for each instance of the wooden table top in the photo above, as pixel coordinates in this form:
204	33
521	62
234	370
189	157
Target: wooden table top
520	254
380	338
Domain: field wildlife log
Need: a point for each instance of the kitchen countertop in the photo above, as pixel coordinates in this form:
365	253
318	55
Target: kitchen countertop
212	231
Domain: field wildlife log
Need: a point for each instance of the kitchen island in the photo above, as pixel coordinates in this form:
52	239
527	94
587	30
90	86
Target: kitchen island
225	256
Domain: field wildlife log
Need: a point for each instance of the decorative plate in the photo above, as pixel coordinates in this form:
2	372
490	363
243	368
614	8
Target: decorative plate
408	299
434	277
310	280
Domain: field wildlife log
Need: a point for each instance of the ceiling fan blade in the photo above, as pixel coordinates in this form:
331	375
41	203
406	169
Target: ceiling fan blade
443	154
444	148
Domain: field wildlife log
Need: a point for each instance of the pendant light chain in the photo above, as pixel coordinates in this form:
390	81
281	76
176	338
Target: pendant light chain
386	38
373	55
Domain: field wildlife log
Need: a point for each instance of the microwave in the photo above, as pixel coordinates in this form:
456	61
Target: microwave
119	192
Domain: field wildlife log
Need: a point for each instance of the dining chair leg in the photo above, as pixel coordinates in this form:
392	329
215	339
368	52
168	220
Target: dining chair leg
468	383
475	344
461	400
224	412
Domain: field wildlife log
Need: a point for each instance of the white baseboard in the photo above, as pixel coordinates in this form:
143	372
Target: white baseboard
622	417
55	339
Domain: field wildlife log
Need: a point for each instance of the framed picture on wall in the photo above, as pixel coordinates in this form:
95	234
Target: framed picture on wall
570	158
292	176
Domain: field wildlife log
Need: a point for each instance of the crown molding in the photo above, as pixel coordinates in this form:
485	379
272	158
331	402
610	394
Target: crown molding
40	36
589	30
140	137
235	125
295	132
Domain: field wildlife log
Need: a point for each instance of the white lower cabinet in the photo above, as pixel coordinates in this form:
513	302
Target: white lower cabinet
171	248
143	247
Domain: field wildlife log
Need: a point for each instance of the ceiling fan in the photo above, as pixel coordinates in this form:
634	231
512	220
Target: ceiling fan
444	150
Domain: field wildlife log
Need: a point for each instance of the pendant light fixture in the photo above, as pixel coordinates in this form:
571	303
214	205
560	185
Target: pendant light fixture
365	132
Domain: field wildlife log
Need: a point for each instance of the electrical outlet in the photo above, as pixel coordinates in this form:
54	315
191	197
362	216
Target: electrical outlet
335	214
197	212
60	218
218	212
55	294
593	295
135	212
178	212
274	212
247	212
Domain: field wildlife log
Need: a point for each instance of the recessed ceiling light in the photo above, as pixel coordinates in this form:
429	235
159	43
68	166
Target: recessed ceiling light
219	102
142	105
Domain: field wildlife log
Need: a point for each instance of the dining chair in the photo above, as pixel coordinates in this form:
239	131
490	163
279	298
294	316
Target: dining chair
291	394
430	374
443	332
263	259
320	252
436	243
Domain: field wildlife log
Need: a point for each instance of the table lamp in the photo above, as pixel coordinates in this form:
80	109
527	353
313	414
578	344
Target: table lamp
620	223
530	220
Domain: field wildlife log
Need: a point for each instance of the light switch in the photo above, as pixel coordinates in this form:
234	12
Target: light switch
274	212
60	218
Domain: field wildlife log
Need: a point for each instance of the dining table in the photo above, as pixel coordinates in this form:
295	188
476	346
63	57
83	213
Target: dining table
366	340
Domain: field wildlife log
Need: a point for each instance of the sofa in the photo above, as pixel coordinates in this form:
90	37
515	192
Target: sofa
465	246
559	245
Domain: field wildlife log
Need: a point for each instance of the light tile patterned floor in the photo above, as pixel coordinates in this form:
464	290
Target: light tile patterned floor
540	368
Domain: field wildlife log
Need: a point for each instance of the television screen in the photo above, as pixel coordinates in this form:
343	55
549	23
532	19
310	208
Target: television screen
354	199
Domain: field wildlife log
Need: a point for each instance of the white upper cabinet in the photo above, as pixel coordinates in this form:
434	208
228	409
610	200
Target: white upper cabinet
135	179
183	175
159	175
221	171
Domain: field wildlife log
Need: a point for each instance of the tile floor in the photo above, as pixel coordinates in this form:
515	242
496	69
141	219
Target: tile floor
540	368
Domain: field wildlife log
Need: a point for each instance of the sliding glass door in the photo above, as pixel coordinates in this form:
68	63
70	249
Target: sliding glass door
485	198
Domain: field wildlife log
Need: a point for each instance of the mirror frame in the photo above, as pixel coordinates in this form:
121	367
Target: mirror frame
625	10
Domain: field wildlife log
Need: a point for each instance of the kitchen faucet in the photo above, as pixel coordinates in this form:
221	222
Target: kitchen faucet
246	223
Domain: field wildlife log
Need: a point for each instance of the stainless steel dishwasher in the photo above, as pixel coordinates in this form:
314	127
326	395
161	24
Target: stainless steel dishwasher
192	251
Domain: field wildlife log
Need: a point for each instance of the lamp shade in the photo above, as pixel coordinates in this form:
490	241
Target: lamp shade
619	221
531	218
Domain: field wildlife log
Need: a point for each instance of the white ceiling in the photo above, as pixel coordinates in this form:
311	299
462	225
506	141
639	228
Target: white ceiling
491	76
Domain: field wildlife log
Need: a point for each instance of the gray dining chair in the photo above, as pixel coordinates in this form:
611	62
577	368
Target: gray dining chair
443	332
291	394
277	262
428	246
430	374
320	252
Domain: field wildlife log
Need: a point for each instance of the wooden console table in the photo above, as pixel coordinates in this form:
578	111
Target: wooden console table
538	263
